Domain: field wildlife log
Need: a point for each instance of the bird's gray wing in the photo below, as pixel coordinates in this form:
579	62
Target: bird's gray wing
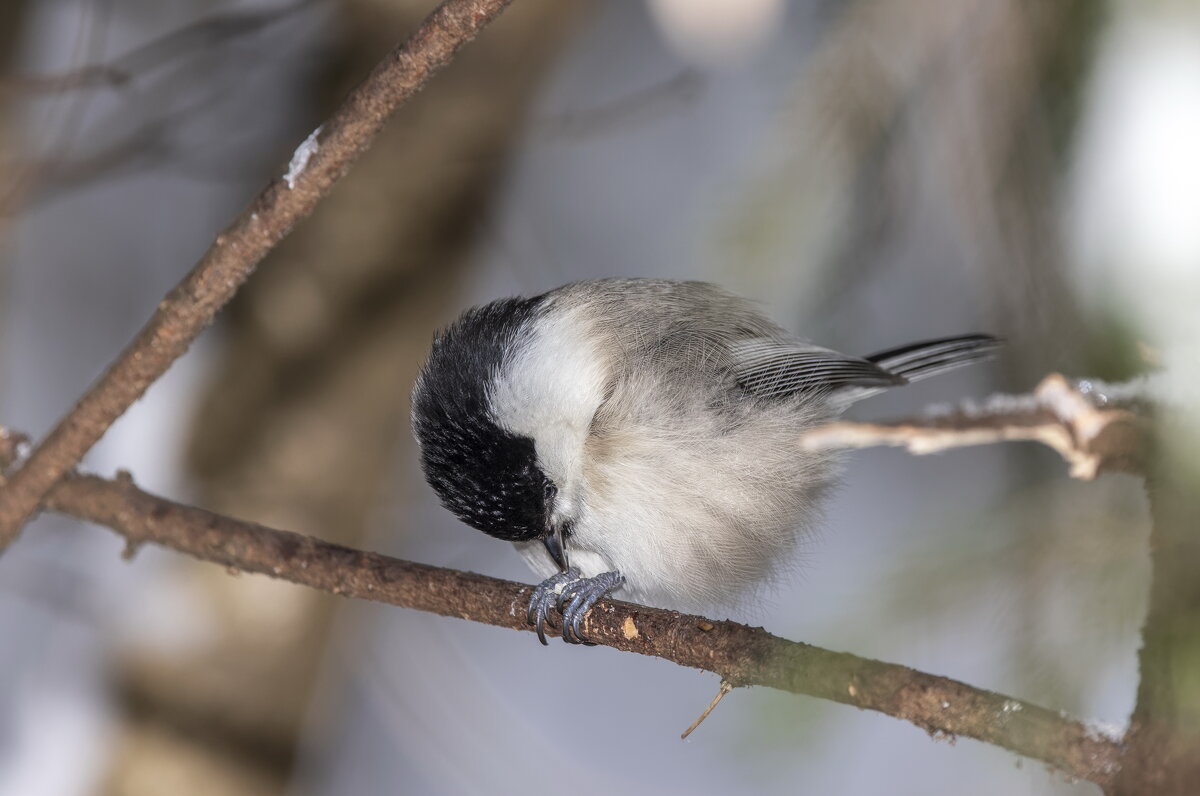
773	368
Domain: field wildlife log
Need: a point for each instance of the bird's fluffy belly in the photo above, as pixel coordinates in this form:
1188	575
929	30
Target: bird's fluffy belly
683	488
685	533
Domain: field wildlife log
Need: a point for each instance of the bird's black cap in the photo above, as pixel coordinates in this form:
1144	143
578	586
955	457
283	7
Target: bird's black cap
487	476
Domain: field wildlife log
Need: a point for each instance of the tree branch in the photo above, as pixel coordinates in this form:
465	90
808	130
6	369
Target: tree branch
741	655
1058	414
1160	754
213	30
192	304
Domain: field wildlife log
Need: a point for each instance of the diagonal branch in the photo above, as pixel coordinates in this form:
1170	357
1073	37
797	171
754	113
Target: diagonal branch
192	304
741	655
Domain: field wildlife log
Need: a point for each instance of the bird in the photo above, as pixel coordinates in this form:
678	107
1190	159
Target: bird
641	437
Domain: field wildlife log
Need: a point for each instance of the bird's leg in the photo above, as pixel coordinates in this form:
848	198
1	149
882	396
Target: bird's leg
573	595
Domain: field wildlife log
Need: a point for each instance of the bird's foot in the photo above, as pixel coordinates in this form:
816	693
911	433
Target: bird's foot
573	595
579	596
546	596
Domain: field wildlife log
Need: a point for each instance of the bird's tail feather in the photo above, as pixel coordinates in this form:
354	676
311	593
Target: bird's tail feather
931	357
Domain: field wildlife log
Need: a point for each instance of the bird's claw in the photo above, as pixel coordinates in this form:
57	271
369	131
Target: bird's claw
573	596
582	595
545	596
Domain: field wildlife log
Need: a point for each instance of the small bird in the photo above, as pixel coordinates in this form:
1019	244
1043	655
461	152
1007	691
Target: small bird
641	436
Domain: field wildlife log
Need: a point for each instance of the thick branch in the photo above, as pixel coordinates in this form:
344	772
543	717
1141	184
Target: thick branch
193	303
741	655
1090	438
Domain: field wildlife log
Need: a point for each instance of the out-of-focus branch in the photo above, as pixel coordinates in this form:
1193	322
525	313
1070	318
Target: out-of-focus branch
741	655
1160	749
193	303
169	106
1091	438
209	31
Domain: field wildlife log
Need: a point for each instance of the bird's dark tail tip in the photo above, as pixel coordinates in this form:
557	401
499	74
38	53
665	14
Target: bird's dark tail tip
931	357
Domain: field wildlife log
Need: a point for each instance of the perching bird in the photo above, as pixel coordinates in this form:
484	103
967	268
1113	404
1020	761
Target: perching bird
641	436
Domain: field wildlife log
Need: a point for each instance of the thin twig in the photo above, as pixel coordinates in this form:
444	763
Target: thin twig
193	303
725	688
209	31
741	655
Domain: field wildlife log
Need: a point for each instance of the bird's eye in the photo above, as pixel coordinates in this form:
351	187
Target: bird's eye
549	490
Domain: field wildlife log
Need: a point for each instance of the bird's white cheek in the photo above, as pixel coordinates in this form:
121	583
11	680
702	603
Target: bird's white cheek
553	384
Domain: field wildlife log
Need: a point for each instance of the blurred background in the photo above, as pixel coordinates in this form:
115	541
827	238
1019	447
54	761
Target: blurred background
873	172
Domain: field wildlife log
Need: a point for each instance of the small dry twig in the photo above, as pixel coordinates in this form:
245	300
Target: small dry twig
725	688
206	32
1090	438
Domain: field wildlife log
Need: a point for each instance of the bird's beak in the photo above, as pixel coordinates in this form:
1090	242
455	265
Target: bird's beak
553	539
